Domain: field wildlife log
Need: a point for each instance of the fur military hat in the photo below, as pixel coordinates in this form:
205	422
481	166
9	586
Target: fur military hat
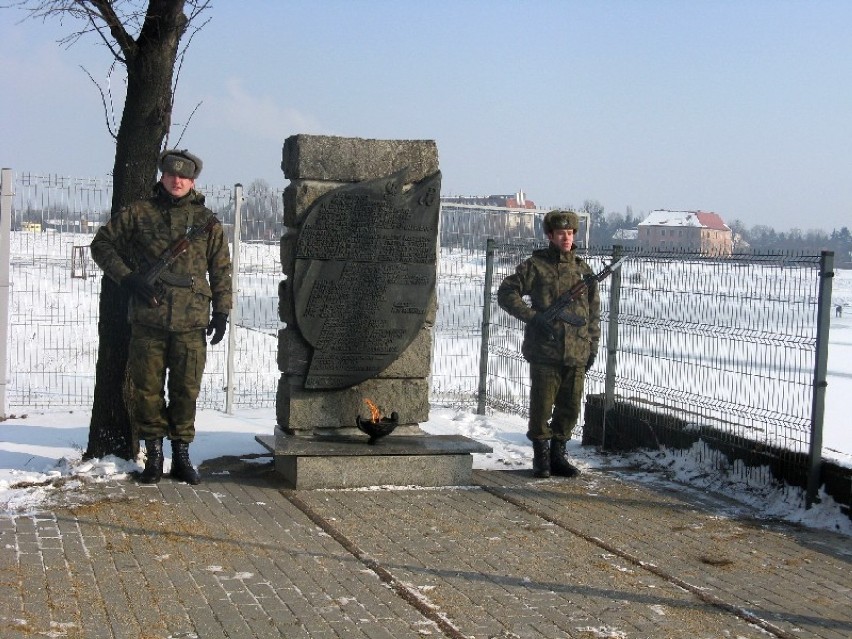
561	220
180	162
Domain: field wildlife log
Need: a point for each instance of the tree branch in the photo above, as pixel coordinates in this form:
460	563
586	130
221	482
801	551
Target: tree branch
185	126
112	133
106	13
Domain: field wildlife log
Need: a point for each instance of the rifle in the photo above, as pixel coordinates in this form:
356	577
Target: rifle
157	271
559	309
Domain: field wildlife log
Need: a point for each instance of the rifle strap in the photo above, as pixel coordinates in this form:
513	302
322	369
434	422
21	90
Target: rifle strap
197	231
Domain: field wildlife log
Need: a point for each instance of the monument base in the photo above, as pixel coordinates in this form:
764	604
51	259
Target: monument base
344	461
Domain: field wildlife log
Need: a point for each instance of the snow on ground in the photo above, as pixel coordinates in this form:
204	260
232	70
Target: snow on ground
40	452
40	457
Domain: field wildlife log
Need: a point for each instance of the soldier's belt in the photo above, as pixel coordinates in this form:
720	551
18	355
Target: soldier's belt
173	279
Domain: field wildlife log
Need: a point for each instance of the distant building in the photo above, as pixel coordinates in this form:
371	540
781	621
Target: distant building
478	217
515	201
698	231
71	226
625	237
470	219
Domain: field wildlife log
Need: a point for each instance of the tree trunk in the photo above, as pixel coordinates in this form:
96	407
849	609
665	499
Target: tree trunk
145	122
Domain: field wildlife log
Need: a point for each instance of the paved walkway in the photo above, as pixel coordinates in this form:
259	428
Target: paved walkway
512	557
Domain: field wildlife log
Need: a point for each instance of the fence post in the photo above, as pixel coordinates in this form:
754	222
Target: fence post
486	328
5	230
611	342
232	316
826	273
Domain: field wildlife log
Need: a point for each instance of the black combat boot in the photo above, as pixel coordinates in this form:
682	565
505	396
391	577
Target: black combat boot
541	458
153	462
182	468
559	464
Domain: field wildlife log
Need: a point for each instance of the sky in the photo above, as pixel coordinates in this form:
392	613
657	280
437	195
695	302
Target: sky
736	107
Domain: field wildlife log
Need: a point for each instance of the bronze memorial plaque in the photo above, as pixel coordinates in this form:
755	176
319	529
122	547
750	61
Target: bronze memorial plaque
365	270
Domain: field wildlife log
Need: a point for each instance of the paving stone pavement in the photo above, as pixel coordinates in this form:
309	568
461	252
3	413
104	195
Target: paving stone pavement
239	556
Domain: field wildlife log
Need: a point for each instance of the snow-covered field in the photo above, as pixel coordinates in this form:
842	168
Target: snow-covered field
40	449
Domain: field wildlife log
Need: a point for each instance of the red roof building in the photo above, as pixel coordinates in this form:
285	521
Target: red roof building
699	231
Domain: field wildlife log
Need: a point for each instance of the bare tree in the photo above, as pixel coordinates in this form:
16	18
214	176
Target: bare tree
597	221
144	37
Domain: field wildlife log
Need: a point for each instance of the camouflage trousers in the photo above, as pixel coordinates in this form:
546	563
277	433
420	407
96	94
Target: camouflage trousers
153	353
556	395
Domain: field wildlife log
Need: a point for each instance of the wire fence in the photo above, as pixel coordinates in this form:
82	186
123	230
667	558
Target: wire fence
713	356
726	345
729	340
55	285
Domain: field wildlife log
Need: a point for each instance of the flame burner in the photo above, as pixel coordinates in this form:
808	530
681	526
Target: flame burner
377	428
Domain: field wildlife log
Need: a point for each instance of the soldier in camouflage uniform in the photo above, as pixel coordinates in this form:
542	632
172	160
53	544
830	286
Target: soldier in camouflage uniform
168	320
559	354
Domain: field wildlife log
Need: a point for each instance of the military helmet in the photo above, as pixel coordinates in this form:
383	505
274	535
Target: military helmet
179	162
559	219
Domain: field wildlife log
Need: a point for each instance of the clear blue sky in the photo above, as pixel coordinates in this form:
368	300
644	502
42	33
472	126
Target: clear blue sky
739	107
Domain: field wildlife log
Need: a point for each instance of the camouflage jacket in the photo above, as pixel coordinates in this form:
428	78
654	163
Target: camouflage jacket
138	234
543	277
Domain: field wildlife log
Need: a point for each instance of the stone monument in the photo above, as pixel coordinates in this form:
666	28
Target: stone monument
359	257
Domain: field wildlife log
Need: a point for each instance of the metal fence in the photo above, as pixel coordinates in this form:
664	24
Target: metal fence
53	308
722	352
728	345
728	341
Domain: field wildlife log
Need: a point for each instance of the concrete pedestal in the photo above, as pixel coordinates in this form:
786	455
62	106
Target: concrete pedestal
344	461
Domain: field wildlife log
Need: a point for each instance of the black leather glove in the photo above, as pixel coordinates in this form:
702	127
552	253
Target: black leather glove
136	285
591	361
216	327
544	328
